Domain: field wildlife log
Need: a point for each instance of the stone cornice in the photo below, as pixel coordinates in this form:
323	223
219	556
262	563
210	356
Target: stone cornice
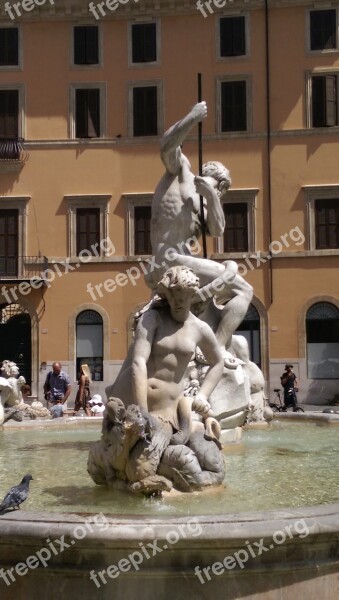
78	9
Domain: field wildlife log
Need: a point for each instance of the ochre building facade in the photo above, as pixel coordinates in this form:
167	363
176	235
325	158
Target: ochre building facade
85	95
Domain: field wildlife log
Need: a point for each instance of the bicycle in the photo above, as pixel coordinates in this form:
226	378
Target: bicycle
291	401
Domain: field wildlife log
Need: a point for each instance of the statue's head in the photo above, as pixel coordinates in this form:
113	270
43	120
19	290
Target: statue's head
178	286
219	173
9	369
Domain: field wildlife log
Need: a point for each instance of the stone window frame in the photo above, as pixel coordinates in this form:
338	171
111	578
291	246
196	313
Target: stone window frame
160	112
313	193
19	66
249	103
100	201
100	64
248	196
133	200
18	203
245	56
72	334
308	29
145	21
102	86
309	115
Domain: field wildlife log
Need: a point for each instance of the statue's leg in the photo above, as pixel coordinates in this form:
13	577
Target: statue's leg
234	311
207	451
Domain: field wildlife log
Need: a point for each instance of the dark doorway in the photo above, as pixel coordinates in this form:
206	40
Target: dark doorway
15	341
250	329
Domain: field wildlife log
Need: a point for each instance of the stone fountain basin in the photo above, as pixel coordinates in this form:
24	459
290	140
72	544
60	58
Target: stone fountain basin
301	567
281	566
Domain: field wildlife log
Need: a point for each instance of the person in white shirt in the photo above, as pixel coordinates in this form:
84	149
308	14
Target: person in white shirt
97	406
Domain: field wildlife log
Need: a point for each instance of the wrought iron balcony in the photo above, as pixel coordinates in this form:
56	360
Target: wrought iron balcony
12	154
22	268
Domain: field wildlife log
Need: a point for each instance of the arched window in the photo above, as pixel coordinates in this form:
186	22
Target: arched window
89	343
250	329
322	334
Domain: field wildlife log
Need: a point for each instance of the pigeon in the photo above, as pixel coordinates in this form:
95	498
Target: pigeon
16	495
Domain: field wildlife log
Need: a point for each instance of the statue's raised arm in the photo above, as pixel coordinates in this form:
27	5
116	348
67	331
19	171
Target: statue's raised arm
175	136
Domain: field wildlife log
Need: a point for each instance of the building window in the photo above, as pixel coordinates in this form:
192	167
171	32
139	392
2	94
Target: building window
233	105
322	334
9	46
142	230
236	227
322	202
143	40
239	233
9	242
88	229
145	110
86	45
138	208
324	90
232	35
323	29
89	343
87	111
327	223
88	225
250	329
9	113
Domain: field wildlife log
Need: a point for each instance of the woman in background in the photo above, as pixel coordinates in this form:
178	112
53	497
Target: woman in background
83	394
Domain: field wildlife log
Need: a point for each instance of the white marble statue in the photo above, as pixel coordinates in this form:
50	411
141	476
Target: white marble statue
12	401
11	393
176	220
153	379
185	366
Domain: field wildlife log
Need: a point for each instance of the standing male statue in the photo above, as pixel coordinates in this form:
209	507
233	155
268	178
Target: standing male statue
176	219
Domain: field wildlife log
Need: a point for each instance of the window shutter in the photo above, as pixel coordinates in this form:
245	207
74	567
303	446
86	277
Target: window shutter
226	37
323	29
144	43
9	46
233	106
239	36
92	45
80	117
318	101
86	45
327	223
145	111
232	36
87	228
236	228
9	113
93	113
87	113
331	100
142	230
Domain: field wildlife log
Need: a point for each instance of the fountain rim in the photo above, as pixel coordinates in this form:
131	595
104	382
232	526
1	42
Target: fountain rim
246	525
